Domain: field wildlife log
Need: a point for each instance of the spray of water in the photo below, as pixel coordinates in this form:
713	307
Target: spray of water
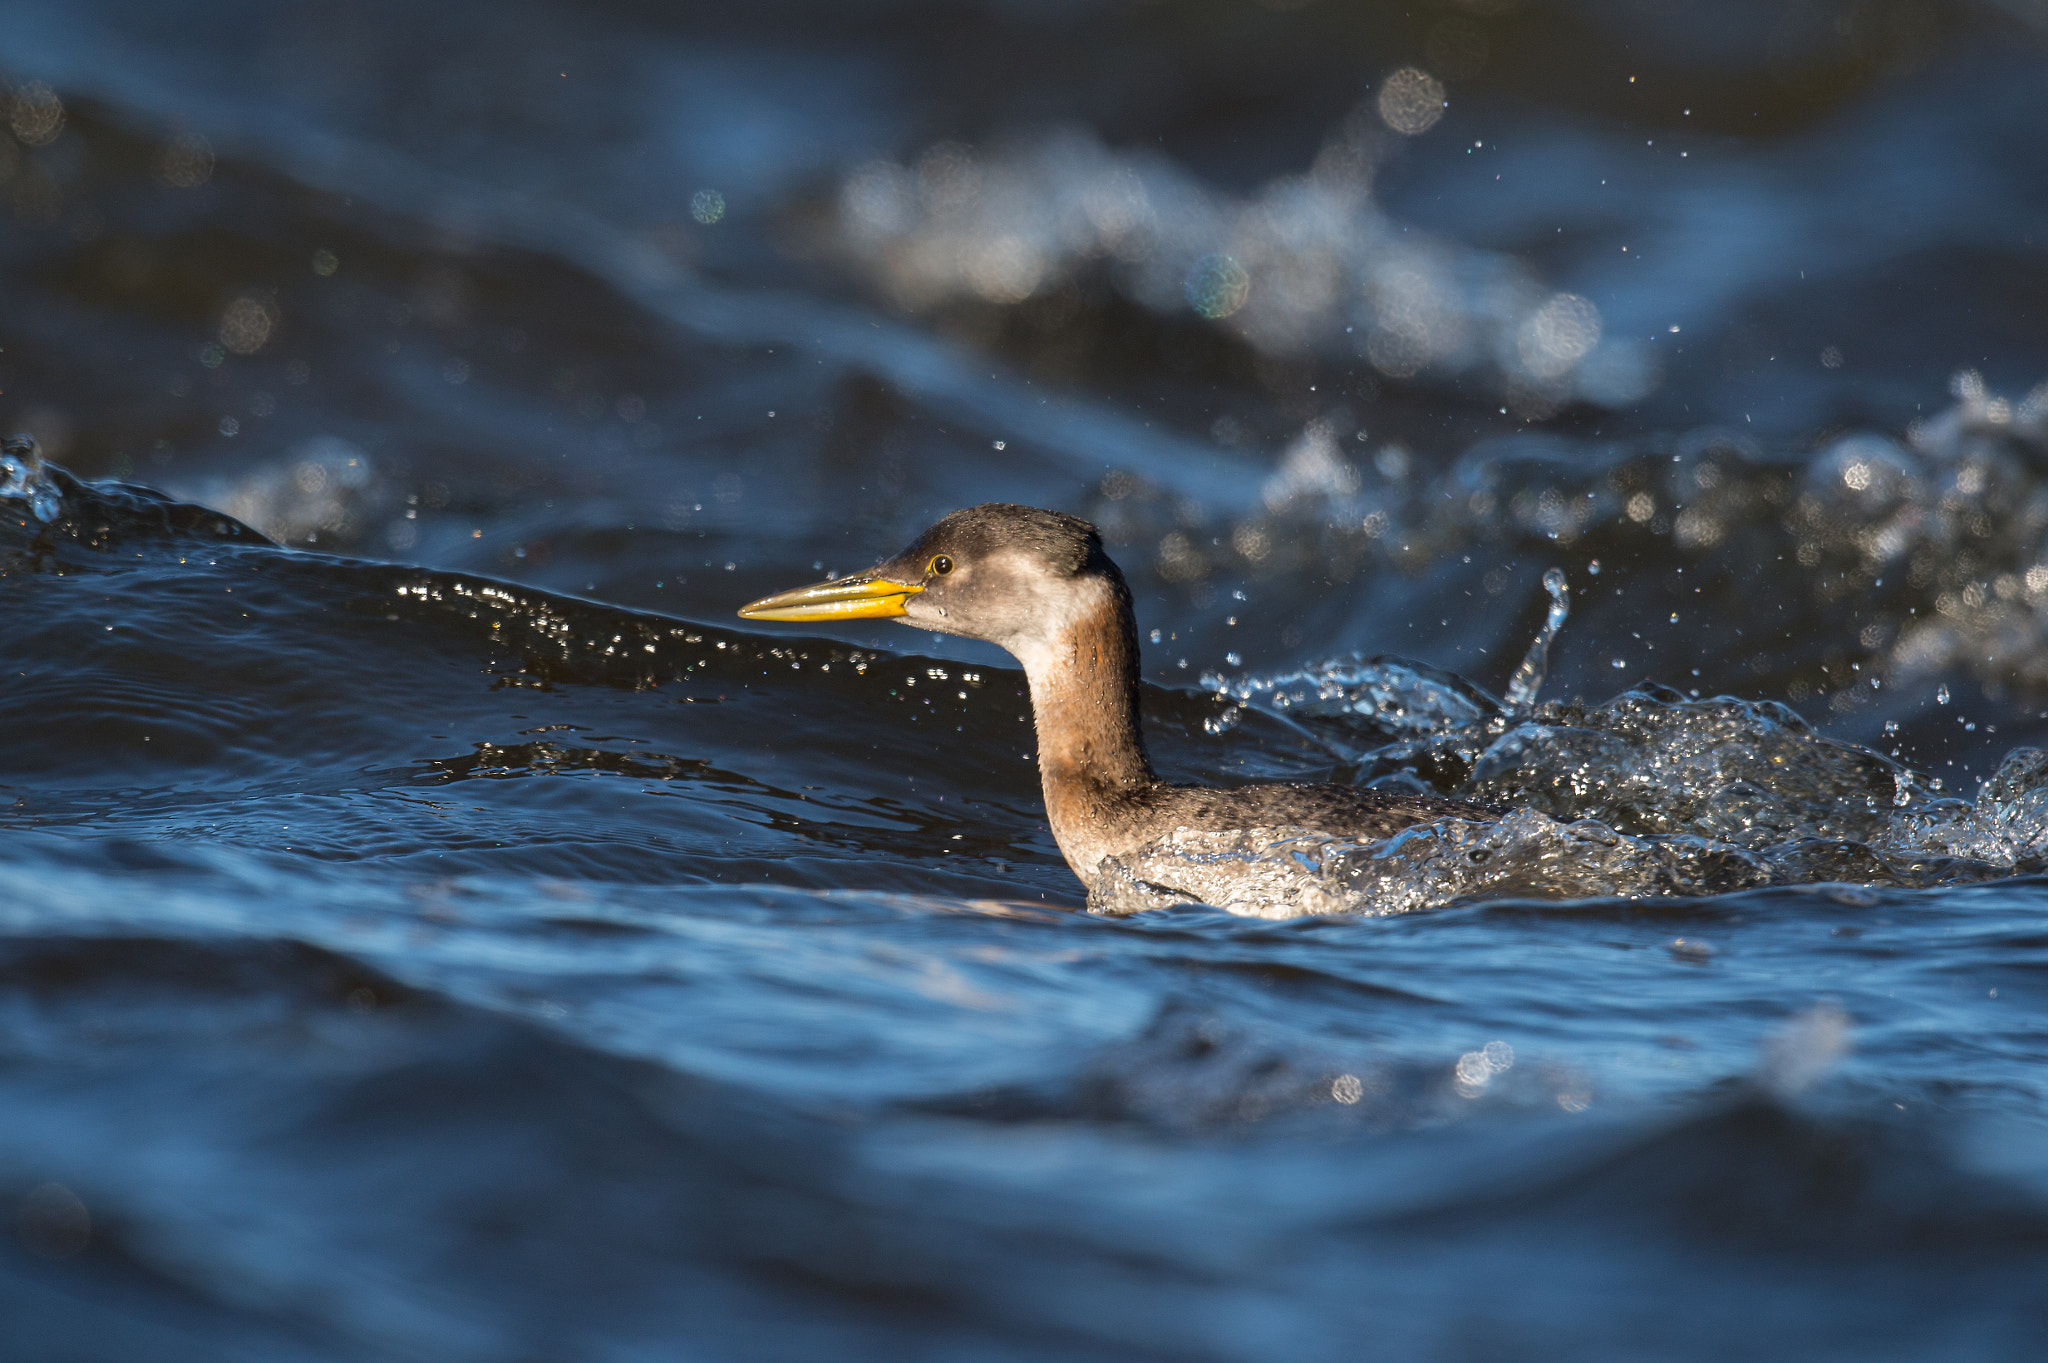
23	478
1528	678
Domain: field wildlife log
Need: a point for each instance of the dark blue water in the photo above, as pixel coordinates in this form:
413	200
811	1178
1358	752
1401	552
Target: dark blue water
431	927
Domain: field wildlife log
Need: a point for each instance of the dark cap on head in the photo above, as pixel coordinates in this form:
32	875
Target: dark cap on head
1066	544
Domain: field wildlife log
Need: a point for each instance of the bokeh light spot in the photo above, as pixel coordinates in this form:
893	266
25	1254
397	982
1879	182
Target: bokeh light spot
35	113
246	325
186	162
1006	270
1411	101
1218	286
948	178
1558	335
879	199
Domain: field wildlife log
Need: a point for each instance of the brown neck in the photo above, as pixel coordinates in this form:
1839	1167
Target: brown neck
1091	755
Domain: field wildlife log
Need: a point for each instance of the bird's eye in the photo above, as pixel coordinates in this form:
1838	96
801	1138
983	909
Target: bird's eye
939	566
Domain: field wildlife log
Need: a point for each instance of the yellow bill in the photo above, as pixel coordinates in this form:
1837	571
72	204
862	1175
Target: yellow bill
861	597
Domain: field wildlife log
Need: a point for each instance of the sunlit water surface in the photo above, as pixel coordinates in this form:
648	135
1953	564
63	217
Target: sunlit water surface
431	927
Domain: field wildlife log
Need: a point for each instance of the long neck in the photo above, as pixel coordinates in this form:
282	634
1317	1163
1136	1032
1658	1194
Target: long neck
1084	700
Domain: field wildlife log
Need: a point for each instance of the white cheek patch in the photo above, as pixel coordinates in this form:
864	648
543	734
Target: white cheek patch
1058	612
1011	600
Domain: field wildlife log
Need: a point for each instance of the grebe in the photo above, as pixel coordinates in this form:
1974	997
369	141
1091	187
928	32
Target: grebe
1038	584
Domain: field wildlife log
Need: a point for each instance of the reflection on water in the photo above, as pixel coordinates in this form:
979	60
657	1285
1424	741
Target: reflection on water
430	928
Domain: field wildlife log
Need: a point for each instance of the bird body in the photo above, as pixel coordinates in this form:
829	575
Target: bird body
1038	584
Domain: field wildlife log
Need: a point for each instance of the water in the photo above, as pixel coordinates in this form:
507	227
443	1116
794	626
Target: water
431	927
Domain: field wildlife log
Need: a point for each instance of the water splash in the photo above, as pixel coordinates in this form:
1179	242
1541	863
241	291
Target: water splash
25	478
1356	704
1289	873
325	491
1528	678
1934	540
2006	824
1650	794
